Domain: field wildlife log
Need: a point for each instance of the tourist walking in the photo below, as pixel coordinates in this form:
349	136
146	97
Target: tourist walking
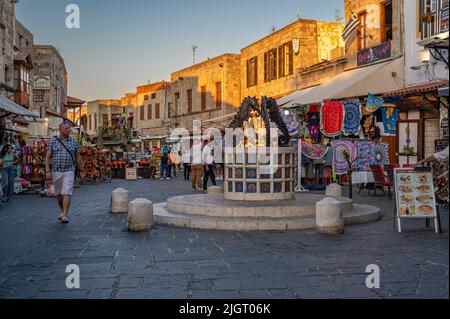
153	163
164	172
186	161
197	166
61	161
208	161
8	161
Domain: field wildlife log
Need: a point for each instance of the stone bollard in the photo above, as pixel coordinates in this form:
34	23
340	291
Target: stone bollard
334	190
119	201
140	215
215	190
329	218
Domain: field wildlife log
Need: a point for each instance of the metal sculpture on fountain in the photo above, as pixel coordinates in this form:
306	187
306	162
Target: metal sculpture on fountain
268	112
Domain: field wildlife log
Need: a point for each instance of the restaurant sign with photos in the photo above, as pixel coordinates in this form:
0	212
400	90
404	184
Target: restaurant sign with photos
415	196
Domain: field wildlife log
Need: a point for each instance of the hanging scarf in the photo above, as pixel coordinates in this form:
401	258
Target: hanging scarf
340	164
368	124
313	120
382	153
365	154
440	178
390	118
291	123
373	103
314	151
353	116
331	118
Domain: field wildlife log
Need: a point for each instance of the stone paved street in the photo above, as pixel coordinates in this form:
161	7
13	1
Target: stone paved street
180	263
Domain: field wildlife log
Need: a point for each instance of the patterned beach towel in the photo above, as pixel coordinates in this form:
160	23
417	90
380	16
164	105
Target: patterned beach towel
382	153
390	118
353	116
373	103
314	151
340	165
313	120
331	118
365	154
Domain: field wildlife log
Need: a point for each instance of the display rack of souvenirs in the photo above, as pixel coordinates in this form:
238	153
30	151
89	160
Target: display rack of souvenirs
97	165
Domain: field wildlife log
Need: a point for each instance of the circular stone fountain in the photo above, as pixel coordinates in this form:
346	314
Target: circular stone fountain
254	199
258	193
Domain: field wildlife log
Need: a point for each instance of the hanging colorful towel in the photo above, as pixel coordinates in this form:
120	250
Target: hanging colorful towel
382	153
390	118
340	164
331	118
313	120
314	151
373	103
365	155
368	124
291	123
353	116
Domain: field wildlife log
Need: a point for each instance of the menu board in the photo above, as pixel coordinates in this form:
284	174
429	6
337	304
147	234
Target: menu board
415	193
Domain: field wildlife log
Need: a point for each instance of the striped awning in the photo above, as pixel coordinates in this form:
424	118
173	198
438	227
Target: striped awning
8	107
417	89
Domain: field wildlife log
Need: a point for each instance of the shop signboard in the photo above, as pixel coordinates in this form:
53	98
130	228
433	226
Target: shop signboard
131	174
41	83
415	195
374	54
444	128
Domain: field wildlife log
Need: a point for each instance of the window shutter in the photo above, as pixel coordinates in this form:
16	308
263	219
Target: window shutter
281	61
255	71
266	67
291	59
248	73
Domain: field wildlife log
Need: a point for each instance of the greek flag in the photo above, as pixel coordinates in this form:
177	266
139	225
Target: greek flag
351	25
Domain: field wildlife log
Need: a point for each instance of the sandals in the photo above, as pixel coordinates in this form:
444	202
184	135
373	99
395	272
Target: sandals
60	216
64	220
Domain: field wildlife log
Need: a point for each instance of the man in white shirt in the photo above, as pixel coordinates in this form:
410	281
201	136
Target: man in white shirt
208	162
443	155
197	165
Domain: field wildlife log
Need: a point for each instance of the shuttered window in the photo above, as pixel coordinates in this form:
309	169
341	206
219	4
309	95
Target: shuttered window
203	97
270	65
285	60
218	95
252	72
142	110
157	116
189	101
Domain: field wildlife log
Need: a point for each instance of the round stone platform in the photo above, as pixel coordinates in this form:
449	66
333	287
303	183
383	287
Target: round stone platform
215	212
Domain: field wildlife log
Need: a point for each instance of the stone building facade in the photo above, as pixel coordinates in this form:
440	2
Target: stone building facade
150	109
50	80
7	33
272	66
23	66
379	36
210	89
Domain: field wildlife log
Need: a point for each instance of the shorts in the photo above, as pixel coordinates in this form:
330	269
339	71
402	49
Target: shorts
63	182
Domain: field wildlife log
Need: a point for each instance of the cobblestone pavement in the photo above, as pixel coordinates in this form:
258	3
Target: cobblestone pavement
180	263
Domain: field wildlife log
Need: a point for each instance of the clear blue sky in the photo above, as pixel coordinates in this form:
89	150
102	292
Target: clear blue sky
122	44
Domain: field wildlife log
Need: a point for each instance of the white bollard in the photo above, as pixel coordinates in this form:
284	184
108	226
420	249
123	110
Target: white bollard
140	215
215	190
119	201
329	218
334	190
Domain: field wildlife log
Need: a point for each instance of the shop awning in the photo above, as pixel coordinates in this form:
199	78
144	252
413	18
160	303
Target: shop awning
375	79
9	107
422	88
150	138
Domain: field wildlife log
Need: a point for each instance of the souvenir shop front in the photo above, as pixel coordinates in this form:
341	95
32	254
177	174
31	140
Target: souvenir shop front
423	129
345	132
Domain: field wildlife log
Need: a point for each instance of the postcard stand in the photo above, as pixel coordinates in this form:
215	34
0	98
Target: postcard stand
415	197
